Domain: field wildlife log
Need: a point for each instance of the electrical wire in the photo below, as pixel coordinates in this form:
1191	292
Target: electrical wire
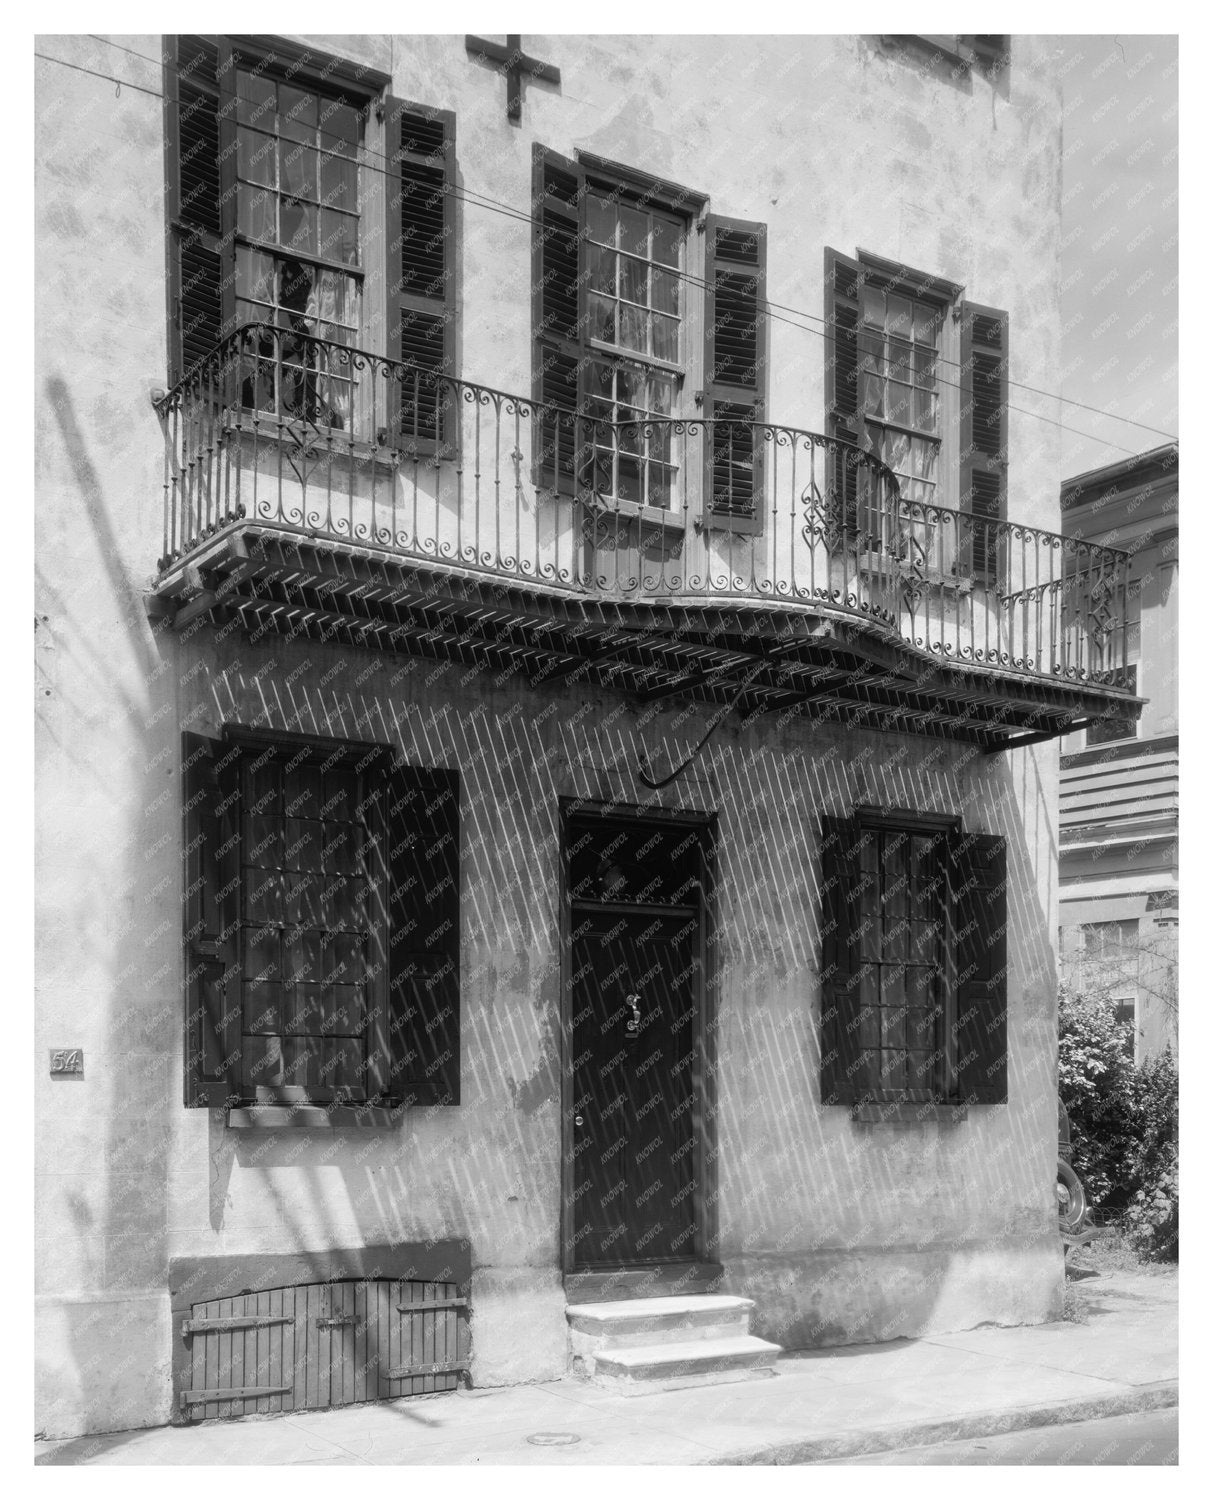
776	311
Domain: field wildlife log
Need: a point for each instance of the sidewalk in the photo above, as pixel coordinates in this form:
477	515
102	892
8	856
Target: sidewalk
825	1404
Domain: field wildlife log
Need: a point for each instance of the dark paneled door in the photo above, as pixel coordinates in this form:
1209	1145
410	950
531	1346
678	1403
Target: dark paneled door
633	988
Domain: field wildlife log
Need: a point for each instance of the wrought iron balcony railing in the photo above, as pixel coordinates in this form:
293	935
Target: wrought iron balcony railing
294	434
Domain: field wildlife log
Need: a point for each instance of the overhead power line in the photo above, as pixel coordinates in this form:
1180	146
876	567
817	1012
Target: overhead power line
776	310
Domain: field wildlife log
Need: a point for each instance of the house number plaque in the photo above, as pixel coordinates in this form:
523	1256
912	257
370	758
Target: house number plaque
67	1062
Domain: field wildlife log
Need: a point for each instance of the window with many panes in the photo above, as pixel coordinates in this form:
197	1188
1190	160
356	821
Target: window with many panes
899	343
615	267
278	158
634	259
913	961
298	256
321	924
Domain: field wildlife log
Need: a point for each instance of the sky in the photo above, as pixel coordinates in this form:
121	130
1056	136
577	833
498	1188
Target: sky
1120	237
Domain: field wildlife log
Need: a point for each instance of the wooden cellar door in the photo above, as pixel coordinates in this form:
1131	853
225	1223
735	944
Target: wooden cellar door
304	1348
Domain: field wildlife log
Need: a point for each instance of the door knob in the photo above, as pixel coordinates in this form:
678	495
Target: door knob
577	1120
634	1002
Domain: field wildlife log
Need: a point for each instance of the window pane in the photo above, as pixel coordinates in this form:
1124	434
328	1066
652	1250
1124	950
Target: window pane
257	212
665	338
602	270
634	279
629	478
602	318
661	395
873	307
256	100
297	166
632	328
298	114
667	242
339	183
900	320
254	275
339	237
600	219
255	157
665	291
339	123
926	325
633	231
299	227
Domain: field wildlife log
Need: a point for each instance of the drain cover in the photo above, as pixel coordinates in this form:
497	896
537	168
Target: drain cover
553	1439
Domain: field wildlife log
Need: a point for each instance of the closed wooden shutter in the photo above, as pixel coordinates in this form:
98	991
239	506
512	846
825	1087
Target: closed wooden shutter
735	372
983	437
421	243
841	916
843	279
423	858
210	793
199	97
978	901
558	314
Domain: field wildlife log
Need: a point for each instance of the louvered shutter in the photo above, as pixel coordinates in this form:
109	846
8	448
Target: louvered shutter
983	438
558	317
978	901
421	269
211	803
841	919
735	372
199	105
423	858
843	279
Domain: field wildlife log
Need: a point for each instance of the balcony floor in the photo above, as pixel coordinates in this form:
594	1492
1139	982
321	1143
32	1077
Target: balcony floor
769	658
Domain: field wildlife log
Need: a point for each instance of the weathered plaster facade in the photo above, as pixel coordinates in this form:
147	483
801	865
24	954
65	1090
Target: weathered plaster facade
841	1230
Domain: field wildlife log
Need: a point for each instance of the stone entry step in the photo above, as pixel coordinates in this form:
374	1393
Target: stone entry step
666	1343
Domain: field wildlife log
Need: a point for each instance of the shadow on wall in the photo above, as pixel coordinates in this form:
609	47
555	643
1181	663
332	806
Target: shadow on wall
109	939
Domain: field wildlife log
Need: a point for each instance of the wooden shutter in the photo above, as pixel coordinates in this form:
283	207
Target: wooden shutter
199	114
735	371
421	266
210	795
844	421
983	437
558	314
423	858
978	900
841	916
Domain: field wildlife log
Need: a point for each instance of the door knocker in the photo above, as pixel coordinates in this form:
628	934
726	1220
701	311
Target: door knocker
634	1002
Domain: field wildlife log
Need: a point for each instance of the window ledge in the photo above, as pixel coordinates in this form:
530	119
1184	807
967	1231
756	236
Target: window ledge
630	510
909	1114
311	1117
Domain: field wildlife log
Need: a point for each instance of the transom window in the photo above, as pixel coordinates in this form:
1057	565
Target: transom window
298	249
902	988
898	391
634	259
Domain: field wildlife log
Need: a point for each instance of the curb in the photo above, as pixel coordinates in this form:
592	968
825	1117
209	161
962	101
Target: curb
1153	1397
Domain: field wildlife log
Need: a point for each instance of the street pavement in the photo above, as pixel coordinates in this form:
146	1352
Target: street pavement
819	1405
1137	1440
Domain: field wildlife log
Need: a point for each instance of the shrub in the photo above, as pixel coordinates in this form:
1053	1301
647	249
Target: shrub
1123	1122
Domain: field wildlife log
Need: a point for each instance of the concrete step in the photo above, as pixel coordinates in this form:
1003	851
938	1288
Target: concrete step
655	1320
674	1366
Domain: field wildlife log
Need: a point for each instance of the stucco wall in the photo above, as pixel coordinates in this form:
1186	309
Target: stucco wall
829	141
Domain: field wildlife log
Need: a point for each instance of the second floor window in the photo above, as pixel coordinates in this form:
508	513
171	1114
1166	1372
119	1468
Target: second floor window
274	156
298	263
634	259
918	376
618	272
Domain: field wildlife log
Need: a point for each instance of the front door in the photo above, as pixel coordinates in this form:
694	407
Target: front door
634	983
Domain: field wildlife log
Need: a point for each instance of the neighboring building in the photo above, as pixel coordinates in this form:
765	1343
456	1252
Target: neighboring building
387	583
1120	776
